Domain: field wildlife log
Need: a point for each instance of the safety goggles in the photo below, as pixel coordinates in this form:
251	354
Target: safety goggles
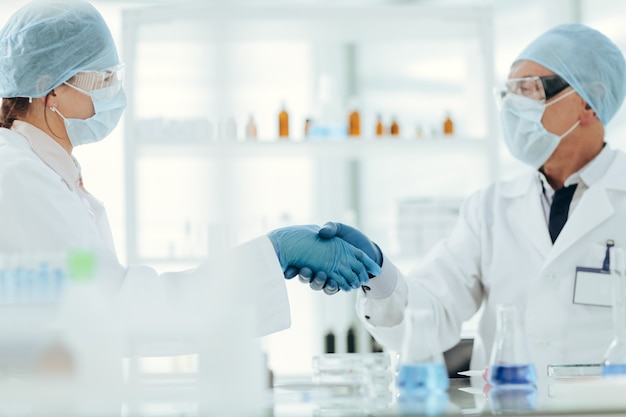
537	88
102	84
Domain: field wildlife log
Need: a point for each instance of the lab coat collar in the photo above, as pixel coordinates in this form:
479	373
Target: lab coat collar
518	186
596	169
606	172
590	174
51	153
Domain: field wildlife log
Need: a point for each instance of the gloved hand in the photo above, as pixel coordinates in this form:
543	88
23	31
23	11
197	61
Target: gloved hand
319	282
300	246
353	237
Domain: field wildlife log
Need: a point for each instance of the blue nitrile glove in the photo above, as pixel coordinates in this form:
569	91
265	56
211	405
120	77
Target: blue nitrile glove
353	237
319	282
301	246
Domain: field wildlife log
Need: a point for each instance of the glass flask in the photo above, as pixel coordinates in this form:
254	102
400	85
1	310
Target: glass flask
433	403
513	399
510	361
421	367
614	362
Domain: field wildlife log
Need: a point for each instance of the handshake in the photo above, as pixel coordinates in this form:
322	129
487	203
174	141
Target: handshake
331	258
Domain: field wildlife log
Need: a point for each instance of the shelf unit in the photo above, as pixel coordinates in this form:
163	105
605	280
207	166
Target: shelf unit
348	174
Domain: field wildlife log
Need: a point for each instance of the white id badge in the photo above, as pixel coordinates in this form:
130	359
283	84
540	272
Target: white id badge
592	286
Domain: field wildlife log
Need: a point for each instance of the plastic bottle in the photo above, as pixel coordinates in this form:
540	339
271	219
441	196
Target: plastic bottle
419	133
380	130
614	362
510	362
283	123
448	125
251	128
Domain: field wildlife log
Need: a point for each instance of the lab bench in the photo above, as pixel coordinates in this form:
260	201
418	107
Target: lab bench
302	396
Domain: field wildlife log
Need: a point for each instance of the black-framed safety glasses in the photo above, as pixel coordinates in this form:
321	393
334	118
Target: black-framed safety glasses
541	88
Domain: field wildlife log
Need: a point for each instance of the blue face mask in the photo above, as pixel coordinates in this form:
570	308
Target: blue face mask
524	133
108	112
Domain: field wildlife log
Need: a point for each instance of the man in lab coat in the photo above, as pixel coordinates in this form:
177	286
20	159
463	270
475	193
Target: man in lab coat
508	246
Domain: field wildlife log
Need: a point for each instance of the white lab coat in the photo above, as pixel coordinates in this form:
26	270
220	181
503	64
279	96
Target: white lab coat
43	208
500	252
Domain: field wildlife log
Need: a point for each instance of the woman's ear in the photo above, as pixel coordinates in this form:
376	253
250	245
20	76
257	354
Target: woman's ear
588	116
50	99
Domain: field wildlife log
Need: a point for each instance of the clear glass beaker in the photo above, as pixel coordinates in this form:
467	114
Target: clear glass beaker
510	362
421	366
614	362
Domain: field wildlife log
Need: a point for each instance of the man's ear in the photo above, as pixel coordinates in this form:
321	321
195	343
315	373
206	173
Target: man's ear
587	116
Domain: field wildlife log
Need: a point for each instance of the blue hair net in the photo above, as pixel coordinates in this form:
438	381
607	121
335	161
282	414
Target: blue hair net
46	42
589	61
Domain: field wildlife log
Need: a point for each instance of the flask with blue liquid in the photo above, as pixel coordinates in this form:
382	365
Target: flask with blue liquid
510	362
614	362
421	364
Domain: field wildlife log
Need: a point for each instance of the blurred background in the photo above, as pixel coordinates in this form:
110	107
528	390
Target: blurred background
199	160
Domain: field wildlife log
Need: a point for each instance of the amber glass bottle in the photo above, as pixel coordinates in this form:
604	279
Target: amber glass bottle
448	125
354	123
394	130
283	123
380	130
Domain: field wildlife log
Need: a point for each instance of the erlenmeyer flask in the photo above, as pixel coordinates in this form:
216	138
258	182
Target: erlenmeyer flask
421	365
614	362
510	362
513	398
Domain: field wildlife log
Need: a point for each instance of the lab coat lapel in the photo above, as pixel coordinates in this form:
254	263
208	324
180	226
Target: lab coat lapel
526	209
594	208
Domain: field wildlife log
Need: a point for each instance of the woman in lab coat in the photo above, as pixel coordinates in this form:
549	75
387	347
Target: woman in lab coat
505	248
61	83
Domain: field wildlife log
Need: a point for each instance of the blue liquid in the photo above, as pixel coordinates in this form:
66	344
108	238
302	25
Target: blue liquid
418	378
512	374
434	403
619	369
515	398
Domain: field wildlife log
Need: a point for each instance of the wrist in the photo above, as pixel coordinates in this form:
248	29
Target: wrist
379	253
275	239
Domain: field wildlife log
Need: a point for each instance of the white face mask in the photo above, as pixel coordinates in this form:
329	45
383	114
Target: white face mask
524	133
107	115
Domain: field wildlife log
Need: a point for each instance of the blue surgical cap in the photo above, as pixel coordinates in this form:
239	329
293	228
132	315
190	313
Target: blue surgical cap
47	42
589	61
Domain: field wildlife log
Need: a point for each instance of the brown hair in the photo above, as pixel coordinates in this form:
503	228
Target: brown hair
12	109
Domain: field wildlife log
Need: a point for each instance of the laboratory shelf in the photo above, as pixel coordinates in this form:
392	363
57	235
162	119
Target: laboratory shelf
363	147
192	68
